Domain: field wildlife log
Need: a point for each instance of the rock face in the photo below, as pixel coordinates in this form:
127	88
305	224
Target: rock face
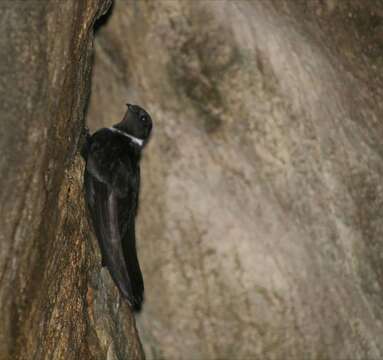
260	225
55	303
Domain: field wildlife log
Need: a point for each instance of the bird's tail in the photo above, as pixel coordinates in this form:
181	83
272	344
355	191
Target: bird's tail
133	267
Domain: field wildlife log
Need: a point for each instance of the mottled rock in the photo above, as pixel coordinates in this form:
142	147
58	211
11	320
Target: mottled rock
260	225
54	302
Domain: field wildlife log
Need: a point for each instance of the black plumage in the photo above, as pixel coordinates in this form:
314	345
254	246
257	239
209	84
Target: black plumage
112	184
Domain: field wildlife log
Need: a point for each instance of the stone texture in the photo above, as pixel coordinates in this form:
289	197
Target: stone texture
55	303
260	225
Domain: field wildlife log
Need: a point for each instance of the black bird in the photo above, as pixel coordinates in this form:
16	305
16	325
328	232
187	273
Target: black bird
112	184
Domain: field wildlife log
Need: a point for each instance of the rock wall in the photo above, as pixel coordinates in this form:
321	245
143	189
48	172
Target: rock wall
54	302
260	225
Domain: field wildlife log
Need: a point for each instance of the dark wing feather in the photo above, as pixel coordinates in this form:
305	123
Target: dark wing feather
127	209
112	201
90	196
103	209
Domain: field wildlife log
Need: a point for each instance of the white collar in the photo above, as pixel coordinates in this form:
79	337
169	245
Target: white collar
138	141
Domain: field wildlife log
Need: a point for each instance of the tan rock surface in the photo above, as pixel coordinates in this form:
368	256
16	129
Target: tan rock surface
55	303
260	222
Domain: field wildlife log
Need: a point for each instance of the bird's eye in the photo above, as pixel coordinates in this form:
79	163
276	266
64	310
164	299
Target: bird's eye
143	118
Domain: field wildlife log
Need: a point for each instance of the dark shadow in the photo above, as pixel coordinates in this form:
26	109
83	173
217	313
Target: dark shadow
103	20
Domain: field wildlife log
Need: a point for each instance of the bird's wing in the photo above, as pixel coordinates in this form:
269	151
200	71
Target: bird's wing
127	209
110	197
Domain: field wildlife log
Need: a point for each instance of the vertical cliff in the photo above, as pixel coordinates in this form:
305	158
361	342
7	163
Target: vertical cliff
53	300
259	226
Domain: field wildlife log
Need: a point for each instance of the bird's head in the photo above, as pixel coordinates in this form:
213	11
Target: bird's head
136	122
